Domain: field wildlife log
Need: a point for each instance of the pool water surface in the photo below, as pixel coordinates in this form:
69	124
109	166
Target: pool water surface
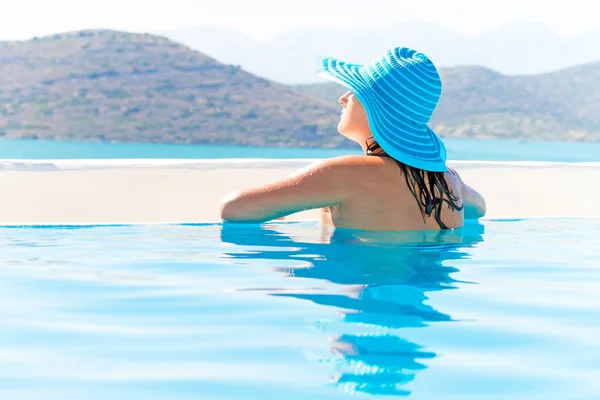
501	309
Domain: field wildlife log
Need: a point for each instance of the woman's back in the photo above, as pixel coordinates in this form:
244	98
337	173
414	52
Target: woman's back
379	198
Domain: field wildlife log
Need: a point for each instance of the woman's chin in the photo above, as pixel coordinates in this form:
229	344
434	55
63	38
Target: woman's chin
343	134
351	137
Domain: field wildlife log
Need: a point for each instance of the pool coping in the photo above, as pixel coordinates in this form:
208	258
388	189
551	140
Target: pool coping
235	163
174	191
220	223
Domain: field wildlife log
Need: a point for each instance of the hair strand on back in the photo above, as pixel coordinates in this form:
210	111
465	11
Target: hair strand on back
430	189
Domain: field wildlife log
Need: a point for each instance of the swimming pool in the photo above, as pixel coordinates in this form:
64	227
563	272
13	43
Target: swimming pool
500	309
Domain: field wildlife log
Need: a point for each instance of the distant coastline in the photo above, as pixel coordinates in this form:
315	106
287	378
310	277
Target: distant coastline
458	150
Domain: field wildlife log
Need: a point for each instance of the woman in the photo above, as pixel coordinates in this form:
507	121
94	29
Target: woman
401	183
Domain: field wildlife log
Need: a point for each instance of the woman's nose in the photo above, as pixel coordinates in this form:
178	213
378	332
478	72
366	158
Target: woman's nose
343	100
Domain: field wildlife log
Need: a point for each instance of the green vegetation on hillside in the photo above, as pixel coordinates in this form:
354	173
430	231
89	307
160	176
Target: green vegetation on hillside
114	86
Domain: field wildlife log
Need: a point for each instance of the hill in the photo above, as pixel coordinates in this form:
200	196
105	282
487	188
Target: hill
116	86
478	102
512	49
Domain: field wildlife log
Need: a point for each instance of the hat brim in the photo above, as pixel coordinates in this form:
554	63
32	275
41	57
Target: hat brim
407	145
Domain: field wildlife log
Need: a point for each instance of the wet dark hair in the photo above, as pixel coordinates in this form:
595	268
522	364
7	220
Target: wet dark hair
429	189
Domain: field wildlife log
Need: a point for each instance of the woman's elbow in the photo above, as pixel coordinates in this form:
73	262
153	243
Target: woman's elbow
230	207
483	208
476	210
233	208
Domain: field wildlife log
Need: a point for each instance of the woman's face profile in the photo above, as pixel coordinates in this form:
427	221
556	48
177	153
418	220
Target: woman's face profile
354	123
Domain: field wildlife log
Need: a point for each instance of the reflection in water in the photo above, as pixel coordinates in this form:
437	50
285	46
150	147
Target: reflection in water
383	279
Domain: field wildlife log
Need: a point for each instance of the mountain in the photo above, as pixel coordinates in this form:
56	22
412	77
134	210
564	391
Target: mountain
513	49
116	86
478	102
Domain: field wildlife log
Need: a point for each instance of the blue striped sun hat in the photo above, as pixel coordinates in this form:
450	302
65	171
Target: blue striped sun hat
399	91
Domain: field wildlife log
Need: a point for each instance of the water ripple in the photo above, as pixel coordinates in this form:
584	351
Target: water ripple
495	310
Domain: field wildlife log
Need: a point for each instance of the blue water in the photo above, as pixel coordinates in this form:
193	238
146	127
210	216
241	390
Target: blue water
497	310
458	149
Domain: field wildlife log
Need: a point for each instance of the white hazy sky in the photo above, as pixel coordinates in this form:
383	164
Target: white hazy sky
23	19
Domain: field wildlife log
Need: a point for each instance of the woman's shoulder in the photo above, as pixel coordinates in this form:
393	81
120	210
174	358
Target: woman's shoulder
354	160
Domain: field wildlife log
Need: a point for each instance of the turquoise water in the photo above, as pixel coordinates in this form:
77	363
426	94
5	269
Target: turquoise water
458	149
497	310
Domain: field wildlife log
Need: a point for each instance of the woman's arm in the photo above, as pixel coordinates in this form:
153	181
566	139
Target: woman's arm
473	201
322	184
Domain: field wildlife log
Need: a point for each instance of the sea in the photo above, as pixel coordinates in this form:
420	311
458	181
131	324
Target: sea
457	149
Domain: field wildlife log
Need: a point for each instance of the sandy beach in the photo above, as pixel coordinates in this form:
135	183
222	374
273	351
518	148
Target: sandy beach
155	191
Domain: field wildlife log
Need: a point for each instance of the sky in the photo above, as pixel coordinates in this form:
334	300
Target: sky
24	19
